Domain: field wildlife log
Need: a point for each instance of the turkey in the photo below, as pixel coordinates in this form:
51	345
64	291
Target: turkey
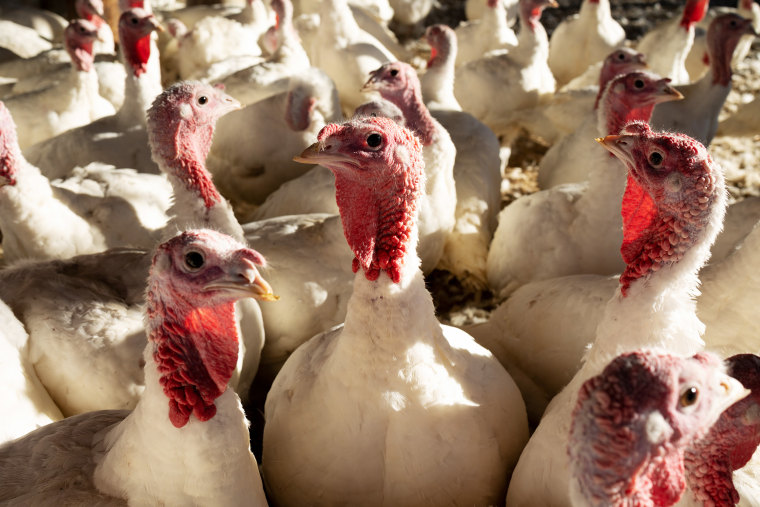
74	101
47	24
520	77
424	382
119	139
649	408
397	82
92	11
673	210
666	46
715	465
284	124
25	401
566	110
575	228
490	32
231	44
583	40
271	76
315	190
86	310
94	209
697	114
564	161
187	439
477	167
345	52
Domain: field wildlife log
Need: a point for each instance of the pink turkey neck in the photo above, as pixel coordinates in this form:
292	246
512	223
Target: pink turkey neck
441	50
720	51
183	153
136	50
653	237
417	116
693	12
731	441
619	112
195	353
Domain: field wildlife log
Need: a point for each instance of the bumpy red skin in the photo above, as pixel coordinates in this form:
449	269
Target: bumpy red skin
377	199
659	225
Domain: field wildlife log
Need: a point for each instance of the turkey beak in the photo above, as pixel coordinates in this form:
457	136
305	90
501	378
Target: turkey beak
245	279
371	84
667	92
324	153
749	29
154	24
620	146
552	3
641	60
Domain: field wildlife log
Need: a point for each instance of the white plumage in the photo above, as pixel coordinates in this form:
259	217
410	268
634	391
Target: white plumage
583	40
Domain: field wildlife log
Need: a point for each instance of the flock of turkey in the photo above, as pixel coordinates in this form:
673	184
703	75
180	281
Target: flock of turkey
238	213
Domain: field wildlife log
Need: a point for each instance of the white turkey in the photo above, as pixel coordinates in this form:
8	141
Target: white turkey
120	139
667	45
575	228
72	102
673	210
366	402
582	40
187	439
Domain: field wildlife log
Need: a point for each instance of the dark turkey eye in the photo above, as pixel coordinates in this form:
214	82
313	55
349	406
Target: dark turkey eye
638	84
202	99
655	158
621	56
374	140
194	260
394	72
133	21
733	23
689	397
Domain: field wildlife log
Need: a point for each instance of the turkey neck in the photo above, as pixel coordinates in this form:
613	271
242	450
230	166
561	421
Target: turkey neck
181	154
437	82
532	41
141	86
32	218
152	460
417	115
194	350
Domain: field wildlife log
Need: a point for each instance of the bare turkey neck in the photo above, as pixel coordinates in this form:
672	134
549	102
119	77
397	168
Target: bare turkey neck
441	57
618	114
385	247
720	54
195	350
668	236
184	156
417	116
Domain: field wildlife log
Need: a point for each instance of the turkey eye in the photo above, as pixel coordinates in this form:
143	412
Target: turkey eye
202	99
133	21
638	84
621	56
374	140
394	72
194	260
655	158
689	397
